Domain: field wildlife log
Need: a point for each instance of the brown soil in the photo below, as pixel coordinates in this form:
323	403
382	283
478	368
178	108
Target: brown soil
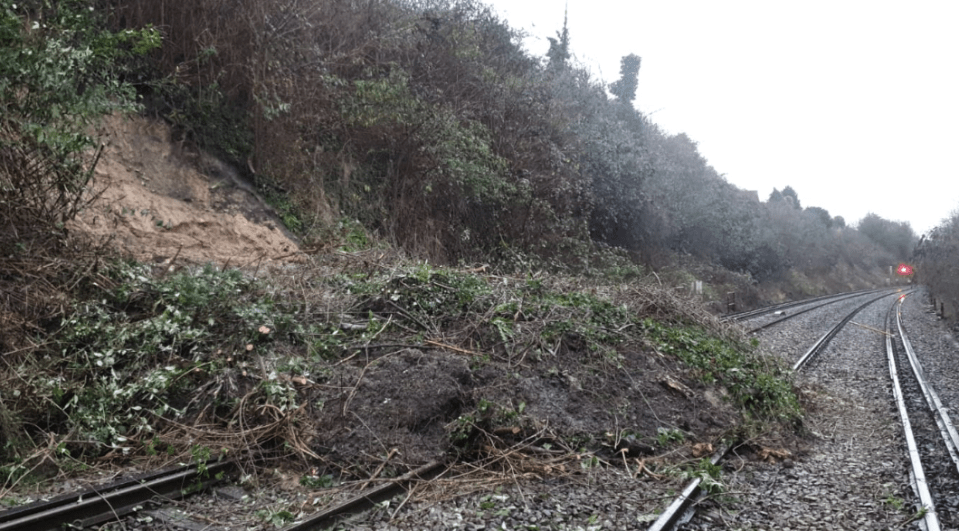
157	204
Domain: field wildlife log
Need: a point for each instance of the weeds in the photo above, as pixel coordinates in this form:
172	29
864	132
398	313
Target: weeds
760	386
895	502
709	474
138	352
277	518
668	436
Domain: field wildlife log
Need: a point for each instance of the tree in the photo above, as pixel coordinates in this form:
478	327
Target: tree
56	79
839	222
896	237
625	88
559	47
776	196
792	196
821	214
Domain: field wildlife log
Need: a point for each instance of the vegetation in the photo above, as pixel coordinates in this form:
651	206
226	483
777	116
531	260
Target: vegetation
937	264
143	360
444	137
60	70
139	350
421	126
758	384
58	73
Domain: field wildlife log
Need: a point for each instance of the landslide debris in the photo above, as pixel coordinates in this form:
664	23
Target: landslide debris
214	337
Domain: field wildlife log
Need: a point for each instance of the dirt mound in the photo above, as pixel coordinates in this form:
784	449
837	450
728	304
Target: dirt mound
411	401
159	199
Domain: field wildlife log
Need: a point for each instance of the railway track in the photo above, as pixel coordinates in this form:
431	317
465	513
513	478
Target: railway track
809	306
681	510
150	494
110	502
930	440
28	517
758	312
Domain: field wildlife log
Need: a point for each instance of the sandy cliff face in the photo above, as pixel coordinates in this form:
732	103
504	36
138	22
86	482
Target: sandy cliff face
158	200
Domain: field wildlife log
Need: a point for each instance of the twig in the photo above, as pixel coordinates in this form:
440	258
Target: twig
175	256
883	332
450	347
393	451
409	495
407	314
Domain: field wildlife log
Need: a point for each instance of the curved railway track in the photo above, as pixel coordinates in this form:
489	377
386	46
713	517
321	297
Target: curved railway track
931	439
815	304
681	510
758	312
933	443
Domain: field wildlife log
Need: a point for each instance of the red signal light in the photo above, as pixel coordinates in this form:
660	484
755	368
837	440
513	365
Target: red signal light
904	270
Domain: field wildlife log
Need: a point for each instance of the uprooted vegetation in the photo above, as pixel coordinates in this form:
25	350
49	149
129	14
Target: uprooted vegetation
337	364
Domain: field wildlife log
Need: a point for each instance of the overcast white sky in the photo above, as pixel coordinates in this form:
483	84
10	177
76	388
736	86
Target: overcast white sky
855	104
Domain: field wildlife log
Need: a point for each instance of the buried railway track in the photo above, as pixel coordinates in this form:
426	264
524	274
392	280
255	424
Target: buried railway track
371	497
147	493
110	502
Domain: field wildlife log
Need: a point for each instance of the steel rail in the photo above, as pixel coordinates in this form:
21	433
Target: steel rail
946	428
920	485
823	341
786	305
677	511
97	505
367	500
680	510
818	306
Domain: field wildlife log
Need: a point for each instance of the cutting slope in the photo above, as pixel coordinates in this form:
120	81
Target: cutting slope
159	199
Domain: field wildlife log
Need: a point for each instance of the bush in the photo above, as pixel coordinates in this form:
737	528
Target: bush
58	73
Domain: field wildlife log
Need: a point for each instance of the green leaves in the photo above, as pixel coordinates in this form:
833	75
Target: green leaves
761	386
130	355
59	71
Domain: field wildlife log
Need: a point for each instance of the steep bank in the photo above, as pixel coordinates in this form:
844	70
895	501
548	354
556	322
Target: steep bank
159	200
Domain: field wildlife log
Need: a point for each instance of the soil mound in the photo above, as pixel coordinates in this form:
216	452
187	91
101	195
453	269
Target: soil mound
159	200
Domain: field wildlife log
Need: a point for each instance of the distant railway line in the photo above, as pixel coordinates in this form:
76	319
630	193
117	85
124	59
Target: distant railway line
782	307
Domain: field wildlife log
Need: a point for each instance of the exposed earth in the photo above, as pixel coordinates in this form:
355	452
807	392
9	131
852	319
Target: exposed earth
160	199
